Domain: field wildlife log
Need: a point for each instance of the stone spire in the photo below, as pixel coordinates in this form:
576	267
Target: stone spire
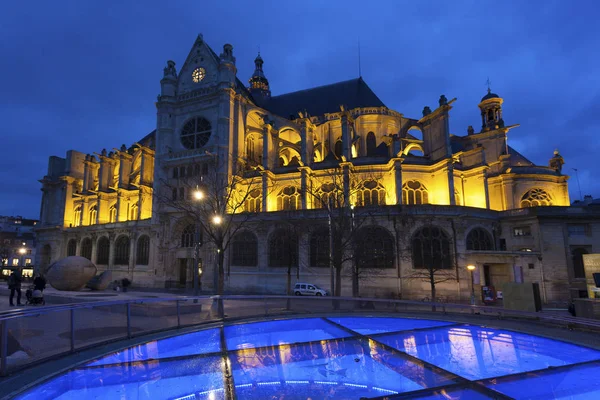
259	85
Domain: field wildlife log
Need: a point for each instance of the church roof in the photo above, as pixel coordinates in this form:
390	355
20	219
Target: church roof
148	140
517	157
490	95
324	99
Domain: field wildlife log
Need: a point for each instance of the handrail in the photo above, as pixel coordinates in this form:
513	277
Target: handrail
217	314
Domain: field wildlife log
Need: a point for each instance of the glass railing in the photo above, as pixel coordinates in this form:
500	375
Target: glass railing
28	337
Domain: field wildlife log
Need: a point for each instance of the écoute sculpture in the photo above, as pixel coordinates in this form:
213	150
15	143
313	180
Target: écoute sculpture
71	273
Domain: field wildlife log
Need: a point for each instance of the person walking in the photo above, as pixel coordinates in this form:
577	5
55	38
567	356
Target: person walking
14	284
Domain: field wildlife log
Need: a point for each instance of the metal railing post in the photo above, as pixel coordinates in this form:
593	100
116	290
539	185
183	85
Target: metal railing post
128	321
178	315
3	347
72	330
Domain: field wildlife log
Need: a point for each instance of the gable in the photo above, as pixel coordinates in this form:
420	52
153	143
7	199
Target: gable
203	59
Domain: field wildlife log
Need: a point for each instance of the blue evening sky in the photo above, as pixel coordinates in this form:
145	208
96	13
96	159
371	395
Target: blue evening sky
84	75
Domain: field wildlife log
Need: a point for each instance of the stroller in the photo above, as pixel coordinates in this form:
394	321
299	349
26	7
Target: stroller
34	297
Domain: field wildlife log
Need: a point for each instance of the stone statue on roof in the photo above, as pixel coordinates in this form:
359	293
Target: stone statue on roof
557	162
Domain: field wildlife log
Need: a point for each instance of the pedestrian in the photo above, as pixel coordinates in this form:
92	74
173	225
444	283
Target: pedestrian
14	284
39	283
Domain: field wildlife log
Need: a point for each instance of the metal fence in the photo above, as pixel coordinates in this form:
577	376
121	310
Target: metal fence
54	331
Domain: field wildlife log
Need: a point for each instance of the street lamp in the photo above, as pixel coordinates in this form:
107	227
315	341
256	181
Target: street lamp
198	196
217	220
471	268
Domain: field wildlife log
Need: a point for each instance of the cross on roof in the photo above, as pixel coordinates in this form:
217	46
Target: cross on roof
488	83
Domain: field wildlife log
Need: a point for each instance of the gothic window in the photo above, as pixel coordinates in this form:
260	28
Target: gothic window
283	249
188	235
371	144
77	216
328	195
122	251
374	248
577	256
319	248
413	192
338	149
535	198
479	239
372	193
253	202
195	133
112	213
133	214
103	251
143	250
93	214
431	249
71	247
244	249
288	199
86	248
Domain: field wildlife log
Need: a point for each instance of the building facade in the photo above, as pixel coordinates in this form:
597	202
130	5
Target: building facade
17	245
423	196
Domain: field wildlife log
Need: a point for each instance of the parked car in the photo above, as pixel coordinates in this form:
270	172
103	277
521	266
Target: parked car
308	289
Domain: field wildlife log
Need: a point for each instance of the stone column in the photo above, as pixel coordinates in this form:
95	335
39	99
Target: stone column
451	183
346	152
398	180
486	189
111	252
266	147
265	191
132	251
303	187
94	239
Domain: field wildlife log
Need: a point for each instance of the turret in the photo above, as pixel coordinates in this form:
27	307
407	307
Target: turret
259	85
168	84
491	111
227	69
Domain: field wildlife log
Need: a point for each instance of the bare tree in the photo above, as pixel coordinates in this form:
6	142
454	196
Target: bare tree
220	203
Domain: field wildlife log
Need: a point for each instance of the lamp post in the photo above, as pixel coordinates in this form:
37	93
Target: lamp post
471	268
198	196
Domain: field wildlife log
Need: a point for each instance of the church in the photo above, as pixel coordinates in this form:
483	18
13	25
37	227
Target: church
417	196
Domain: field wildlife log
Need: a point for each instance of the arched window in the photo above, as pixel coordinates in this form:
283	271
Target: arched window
112	214
143	250
338	149
319	248
188	236
253	202
283	248
371	145
122	250
535	198
134	212
244	249
431	249
86	248
371	194
195	133
328	195
479	239
288	199
374	248
93	214
103	251
577	256
77	216
414	192
71	247
250	148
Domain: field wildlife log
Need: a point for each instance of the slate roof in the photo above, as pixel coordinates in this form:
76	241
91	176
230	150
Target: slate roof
324	99
518	157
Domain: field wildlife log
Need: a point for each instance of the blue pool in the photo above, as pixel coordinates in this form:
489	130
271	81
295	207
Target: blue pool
337	358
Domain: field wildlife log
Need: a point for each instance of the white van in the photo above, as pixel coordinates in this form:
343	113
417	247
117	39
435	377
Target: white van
308	289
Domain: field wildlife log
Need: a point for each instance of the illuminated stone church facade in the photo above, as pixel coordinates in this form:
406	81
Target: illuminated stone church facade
468	196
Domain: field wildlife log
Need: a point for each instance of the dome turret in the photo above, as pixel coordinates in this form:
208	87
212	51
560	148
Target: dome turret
259	84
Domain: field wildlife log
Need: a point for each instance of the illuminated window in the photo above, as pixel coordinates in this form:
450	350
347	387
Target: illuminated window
536	198
93	214
319	248
479	239
195	134
122	250
15	262
431	249
86	248
28	261
374	248
372	193
198	74
244	249
112	214
328	195
253	202
522	231
188	235
103	251
71	247
414	192
283	248
288	199
143	250
77	216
